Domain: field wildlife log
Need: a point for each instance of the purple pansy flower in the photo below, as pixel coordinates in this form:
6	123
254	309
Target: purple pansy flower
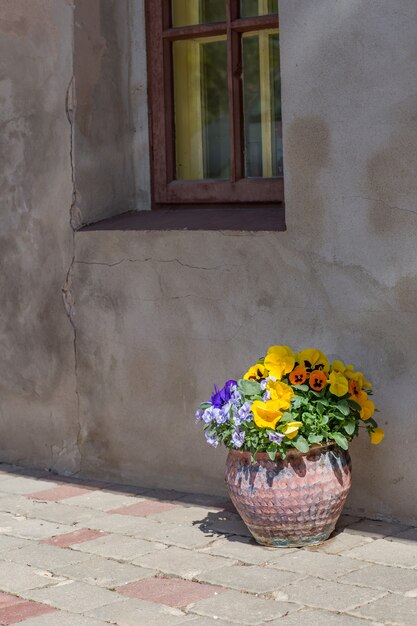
220	416
199	415
221	396
211	439
208	415
275	437
238	437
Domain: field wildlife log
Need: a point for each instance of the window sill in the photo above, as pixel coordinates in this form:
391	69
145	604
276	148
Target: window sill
242	219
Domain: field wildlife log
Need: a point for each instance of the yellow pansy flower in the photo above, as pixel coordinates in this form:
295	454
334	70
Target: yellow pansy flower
291	429
279	361
339	366
360	378
280	392
312	359
256	372
368	409
266	414
338	384
377	435
367	406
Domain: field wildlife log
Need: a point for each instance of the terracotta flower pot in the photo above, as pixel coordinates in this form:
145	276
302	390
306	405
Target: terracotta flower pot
290	503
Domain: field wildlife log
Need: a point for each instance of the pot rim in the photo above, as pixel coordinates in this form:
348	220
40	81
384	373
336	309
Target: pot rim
290	451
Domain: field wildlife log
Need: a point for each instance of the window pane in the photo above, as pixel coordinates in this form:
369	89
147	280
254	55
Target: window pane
201	108
249	8
188	12
262	104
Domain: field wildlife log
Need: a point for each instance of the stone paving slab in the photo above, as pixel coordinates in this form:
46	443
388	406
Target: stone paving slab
17	577
243	549
327	566
24	485
45	556
31	528
385	578
392	609
325	594
192	620
73	596
102	500
250	578
62	618
11	543
119	547
97	570
242	608
315	617
386	553
50	511
135	612
375	528
341	543
92	553
180	562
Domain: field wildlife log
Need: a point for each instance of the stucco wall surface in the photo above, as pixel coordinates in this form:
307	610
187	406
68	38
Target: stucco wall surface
162	316
149	321
38	401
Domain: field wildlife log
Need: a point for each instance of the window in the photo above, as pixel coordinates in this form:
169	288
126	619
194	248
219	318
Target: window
214	78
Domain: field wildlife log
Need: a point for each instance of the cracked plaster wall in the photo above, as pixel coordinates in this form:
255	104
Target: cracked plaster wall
162	316
158	317
38	401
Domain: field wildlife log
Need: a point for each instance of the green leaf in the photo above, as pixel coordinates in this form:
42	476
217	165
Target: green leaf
350	427
325	419
297	402
317	394
354	405
303	387
287	417
340	440
343	407
272	452
315	438
249	387
301	444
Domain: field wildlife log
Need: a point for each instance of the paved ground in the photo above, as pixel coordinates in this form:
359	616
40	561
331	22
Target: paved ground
74	553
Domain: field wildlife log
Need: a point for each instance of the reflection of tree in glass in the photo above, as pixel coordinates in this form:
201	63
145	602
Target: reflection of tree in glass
215	112
212	11
252	101
252	106
248	8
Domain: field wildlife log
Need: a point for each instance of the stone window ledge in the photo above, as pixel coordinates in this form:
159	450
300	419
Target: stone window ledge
242	219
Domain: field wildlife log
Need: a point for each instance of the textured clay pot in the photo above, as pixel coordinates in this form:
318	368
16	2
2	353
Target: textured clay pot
290	503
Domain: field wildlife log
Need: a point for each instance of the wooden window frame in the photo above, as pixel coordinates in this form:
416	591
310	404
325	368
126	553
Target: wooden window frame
168	193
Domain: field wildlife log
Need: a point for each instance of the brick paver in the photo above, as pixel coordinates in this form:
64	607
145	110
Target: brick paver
23	610
144	508
76	537
172	591
88	553
61	492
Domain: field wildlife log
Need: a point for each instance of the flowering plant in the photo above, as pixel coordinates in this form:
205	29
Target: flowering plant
290	400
